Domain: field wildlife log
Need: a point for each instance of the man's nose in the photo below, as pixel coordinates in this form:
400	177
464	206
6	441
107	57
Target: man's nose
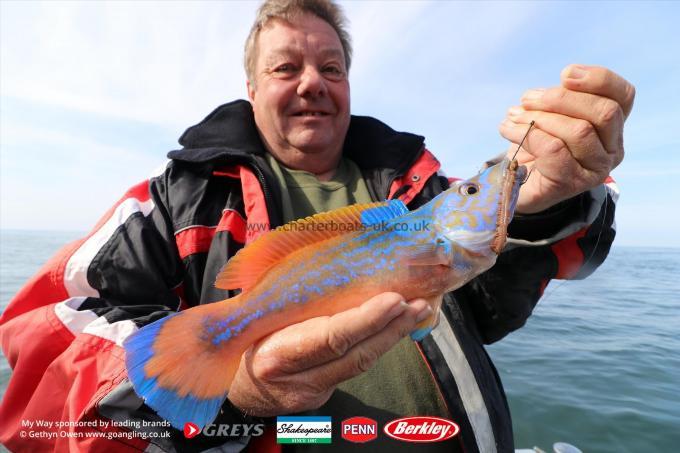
311	83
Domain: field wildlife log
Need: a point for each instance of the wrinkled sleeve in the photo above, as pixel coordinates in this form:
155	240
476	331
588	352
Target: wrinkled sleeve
568	241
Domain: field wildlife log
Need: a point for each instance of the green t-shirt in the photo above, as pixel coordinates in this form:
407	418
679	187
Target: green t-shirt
400	383
304	195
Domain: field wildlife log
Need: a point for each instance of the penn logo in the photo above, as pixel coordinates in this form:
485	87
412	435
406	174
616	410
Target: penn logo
190	430
359	429
421	429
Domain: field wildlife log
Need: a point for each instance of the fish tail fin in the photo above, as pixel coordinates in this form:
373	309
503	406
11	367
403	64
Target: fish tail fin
180	366
424	327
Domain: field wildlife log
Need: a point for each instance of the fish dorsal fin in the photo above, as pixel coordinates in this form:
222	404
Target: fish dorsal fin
250	264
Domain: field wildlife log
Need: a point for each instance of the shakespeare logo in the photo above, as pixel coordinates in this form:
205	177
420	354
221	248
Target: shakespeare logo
303	430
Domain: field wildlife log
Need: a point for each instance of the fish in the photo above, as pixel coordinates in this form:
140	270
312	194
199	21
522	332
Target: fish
183	364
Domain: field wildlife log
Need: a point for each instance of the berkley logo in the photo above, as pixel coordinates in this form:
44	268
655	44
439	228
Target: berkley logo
421	429
359	429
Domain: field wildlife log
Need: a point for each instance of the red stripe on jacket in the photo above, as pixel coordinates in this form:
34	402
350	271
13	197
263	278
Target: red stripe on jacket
569	255
233	222
416	177
195	239
255	205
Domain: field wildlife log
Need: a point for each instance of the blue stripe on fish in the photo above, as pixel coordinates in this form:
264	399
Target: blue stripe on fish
374	216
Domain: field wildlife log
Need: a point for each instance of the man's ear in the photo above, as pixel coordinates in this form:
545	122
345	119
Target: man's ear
251	90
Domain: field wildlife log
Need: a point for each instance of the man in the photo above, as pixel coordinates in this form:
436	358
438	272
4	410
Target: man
291	151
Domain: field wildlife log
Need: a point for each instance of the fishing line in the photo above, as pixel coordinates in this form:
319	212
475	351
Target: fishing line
599	235
592	254
520	146
523	138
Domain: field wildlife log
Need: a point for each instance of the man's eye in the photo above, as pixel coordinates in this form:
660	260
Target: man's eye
333	72
285	69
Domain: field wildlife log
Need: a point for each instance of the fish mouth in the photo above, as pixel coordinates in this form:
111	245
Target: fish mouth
513	177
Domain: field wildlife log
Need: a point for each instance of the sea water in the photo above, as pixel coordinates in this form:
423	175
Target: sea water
597	365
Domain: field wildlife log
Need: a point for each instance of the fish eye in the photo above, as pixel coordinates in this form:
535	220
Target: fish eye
468	189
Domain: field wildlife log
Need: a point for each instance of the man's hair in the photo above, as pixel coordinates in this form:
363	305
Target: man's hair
289	10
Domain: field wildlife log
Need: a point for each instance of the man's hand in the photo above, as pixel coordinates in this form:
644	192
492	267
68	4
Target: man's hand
577	138
297	368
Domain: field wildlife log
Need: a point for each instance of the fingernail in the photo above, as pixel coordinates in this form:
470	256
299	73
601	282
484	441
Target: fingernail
397	309
424	313
515	111
506	122
533	95
576	72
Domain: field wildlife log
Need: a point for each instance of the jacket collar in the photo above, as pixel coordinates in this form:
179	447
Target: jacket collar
229	132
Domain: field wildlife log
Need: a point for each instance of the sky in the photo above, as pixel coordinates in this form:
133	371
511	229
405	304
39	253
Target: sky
94	94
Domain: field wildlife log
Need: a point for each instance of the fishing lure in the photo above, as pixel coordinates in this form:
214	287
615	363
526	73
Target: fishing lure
183	365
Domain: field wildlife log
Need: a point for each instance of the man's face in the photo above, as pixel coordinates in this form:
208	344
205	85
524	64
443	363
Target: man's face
301	93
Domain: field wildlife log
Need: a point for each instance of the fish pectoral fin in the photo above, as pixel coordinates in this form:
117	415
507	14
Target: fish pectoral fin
424	327
438	253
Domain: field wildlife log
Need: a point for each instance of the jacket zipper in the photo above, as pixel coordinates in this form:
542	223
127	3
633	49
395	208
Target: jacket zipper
270	202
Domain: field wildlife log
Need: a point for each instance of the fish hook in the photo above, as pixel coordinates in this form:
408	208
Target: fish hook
523	138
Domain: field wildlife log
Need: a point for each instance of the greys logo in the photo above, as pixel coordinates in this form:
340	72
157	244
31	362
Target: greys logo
224	430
